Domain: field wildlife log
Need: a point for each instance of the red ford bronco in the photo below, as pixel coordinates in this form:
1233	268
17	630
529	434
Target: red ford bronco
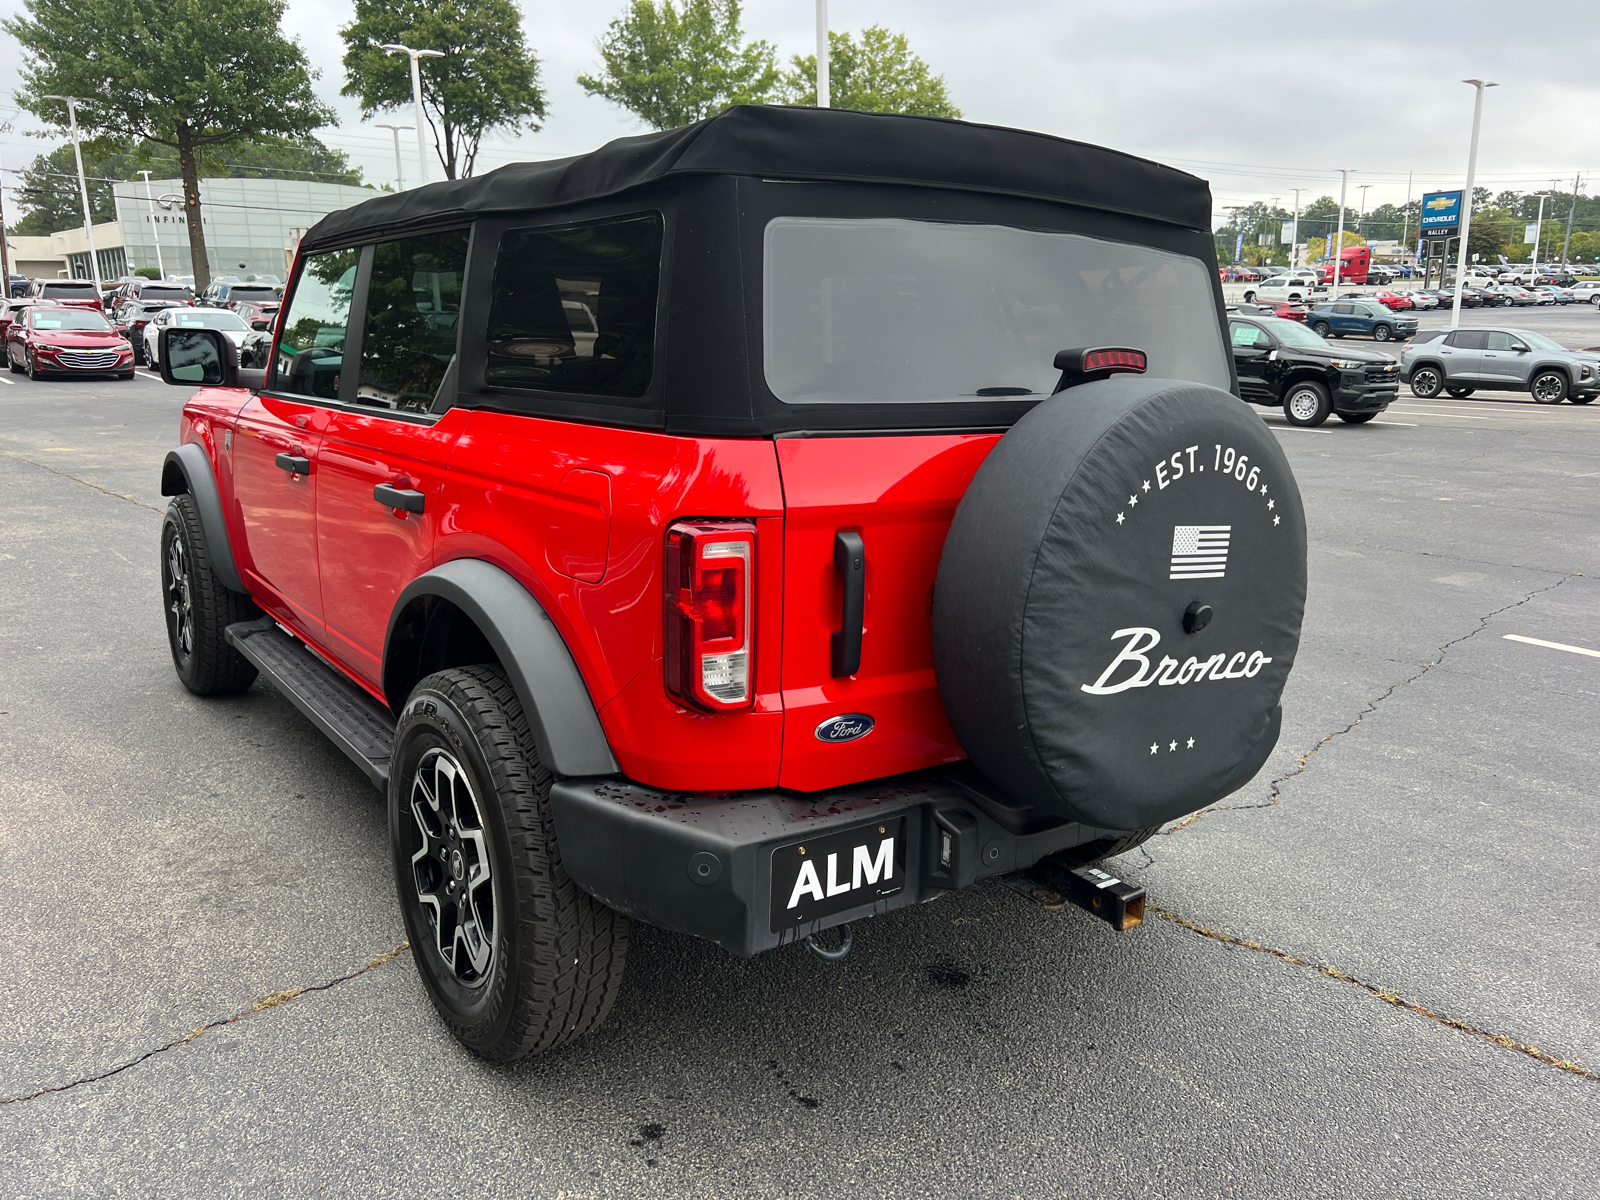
747	529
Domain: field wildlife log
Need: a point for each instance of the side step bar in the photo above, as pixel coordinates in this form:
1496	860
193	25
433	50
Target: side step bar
356	723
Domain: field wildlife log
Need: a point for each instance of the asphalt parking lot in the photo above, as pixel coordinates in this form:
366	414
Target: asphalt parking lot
1371	972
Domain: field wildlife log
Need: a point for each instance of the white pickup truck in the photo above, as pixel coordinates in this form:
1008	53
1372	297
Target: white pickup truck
1291	288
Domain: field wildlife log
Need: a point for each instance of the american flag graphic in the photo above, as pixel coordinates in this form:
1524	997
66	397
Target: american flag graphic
1199	551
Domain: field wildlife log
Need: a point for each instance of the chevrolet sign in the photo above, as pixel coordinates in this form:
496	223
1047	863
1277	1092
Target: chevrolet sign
1441	214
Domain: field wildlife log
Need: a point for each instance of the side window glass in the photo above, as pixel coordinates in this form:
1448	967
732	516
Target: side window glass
1242	334
413	309
311	350
1499	341
1344	309
574	308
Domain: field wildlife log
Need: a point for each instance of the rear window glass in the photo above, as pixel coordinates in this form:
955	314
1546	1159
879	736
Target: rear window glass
75	291
257	294
574	307
155	292
899	311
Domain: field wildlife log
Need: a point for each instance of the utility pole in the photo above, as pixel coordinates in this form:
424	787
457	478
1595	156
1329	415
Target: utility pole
5	250
156	233
823	98
399	176
416	95
1344	180
1361	220
72	103
1466	197
1567	244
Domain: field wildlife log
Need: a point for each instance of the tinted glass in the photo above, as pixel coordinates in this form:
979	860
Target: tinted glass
152	291
574	308
64	291
257	294
413	308
1344	309
311	350
1468	339
912	311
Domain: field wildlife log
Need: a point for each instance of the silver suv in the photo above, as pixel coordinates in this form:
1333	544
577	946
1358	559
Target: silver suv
1460	361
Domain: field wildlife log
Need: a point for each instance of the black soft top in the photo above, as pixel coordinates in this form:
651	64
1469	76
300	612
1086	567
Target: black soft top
799	144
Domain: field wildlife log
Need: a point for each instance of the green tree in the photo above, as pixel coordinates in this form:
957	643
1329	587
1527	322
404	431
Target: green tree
48	190
672	67
487	79
189	74
878	74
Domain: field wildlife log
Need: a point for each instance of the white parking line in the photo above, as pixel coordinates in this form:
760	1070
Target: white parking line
8	382
147	375
1449	416
1407	424
1295	429
1517	637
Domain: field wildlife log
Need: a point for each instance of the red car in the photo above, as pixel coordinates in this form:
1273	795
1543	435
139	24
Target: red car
72	293
718	624
11	310
259	315
1395	301
51	340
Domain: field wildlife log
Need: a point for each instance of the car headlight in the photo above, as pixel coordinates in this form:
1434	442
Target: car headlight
1347	364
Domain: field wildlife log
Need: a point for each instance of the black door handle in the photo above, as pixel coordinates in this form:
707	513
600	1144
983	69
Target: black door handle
295	464
850	560
401	498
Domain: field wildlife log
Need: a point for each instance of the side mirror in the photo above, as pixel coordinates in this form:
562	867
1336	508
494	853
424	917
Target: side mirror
203	357
1520	347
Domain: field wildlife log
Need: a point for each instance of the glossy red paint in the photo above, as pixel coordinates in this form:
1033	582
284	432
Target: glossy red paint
499	494
580	525
899	493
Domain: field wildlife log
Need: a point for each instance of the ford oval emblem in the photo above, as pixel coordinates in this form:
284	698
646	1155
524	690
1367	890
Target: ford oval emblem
846	727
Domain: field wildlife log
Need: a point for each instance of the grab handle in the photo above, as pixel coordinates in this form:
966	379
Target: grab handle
850	559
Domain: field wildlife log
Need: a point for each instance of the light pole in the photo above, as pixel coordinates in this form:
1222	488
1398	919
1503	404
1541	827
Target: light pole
1361	220
72	103
1466	198
154	232
1538	230
1294	242
1577	182
1338	262
1405	217
416	94
823	98
399	176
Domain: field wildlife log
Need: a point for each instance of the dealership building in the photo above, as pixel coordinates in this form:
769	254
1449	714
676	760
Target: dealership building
252	227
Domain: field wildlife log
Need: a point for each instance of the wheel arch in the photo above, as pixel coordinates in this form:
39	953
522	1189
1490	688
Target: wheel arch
187	471
1305	372
450	616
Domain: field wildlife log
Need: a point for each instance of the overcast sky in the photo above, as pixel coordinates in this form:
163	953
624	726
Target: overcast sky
1258	97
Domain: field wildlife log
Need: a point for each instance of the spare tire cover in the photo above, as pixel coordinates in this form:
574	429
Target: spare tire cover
1094	525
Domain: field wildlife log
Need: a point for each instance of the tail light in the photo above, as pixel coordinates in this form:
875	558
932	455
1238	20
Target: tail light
710	584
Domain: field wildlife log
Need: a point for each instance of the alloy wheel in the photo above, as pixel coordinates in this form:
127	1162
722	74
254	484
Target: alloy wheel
451	869
1547	389
1425	382
179	597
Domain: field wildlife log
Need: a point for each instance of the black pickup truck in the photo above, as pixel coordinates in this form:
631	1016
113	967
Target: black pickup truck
1283	363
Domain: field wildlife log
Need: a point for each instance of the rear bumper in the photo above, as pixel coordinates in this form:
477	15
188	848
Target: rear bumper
703	865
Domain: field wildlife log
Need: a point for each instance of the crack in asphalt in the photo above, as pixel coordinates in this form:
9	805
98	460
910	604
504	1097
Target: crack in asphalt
1303	760
1388	997
275	1000
85	482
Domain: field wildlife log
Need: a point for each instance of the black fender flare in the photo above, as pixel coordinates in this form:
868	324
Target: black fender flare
188	470
561	713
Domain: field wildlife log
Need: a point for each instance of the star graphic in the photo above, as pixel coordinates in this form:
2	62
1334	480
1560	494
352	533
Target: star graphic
1274	520
1133	501
1120	517
1263	489
1172	747
1271	504
1191	743
1147	485
1152	747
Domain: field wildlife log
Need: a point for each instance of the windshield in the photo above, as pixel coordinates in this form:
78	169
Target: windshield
80	321
915	311
1292	333
201	319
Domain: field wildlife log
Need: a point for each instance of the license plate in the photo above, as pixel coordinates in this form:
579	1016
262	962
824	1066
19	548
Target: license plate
825	875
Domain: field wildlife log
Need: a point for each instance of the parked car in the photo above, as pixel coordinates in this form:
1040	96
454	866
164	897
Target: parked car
18	286
1395	301
1588	289
1287	312
10	311
600	633
134	315
73	293
1341	318
258	314
1422	300
1464	360
1281	363
49	339
226	294
151	290
1557	295
1290	288
182	317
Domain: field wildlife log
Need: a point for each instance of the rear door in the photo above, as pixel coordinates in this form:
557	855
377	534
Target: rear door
896	494
1462	355
382	457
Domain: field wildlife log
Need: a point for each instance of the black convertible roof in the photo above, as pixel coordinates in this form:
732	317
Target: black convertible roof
800	144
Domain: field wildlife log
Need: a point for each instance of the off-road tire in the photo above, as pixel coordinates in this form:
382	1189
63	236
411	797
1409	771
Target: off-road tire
1426	383
557	953
1548	387
209	665
1321	329
1460	393
1356	418
1111	847
1306	404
